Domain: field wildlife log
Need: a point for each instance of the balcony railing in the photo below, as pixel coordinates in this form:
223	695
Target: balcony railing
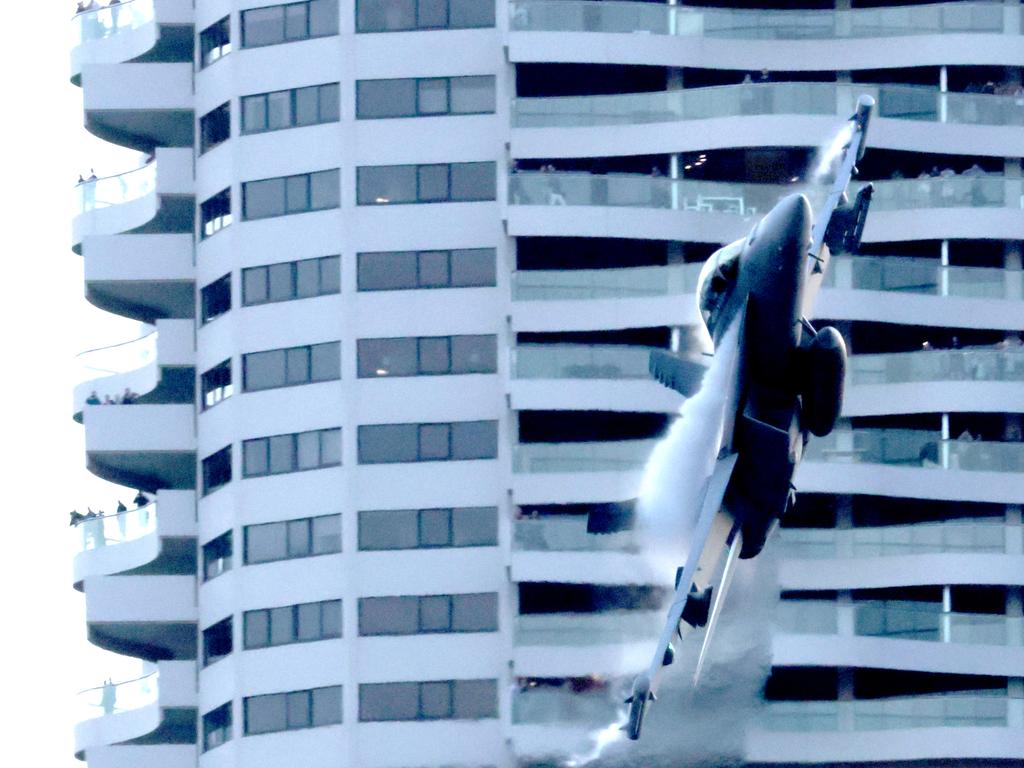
568	534
619	456
118	358
977	709
619	283
544	705
744	24
110	20
562	188
915	448
975	364
898	274
577	629
114	190
112	698
118	528
580	361
983	535
794	98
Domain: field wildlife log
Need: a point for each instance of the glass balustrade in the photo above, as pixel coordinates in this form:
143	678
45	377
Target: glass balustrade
792	98
568	534
748	24
975	364
563	188
807	617
624	283
579	629
117	358
618	456
983	535
546	705
114	190
114	528
110	20
915	448
113	698
979	709
579	361
898	274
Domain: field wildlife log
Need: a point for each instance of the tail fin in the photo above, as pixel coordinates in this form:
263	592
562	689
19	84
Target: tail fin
677	373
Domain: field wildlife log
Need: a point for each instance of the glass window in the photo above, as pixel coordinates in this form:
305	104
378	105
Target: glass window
330	447
282	625
264	714
330	103
263	370
217	470
475	699
309	450
263	26
327	536
435	355
296	24
326	705
216	385
472	95
282	453
217	556
217	726
435	613
263	198
473	181
475	613
388	529
432	96
254	113
474	354
435	442
388	701
330	275
387	616
214	42
325	190
279	110
265	542
386	357
308	621
257	629
330	617
307	110
383	184
299	544
435	271
217	641
282	286
387	271
432	183
475	440
386	443
215	214
299	709
467	14
297	194
385	15
475	527
326	361
297	365
254	458
215	127
254	285
436	700
216	298
385	98
307	278
474	267
435	527
323	18
432	14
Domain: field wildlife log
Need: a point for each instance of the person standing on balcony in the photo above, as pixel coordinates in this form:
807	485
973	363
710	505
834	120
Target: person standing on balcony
108	700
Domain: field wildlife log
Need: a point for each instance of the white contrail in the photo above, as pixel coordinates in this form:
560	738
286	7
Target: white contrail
830	152
602	738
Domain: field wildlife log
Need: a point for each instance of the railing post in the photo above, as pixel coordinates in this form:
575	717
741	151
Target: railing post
944	450
943	99
945	621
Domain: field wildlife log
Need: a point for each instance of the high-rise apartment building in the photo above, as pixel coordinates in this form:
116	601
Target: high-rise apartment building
403	261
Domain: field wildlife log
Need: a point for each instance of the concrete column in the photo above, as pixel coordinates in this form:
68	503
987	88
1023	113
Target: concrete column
943	89
675	171
944	452
945	621
844	524
944	268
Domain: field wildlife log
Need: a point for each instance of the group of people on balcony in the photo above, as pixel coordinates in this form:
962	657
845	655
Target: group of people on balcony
92	521
125	398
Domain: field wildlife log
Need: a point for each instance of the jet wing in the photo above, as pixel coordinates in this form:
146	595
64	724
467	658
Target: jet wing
682	374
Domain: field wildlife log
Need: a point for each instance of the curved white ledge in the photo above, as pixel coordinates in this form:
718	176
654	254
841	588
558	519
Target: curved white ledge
149	617
135	710
155	198
117	544
902	571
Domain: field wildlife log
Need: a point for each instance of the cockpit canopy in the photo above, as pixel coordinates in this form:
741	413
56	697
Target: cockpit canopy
716	281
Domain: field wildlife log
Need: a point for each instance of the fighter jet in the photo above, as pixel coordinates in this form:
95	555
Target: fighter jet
786	383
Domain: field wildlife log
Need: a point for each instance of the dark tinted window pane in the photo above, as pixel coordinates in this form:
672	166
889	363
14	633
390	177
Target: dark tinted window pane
282	625
282	453
433	96
323	17
475	527
433	183
263	26
388	701
216	298
435	527
435	441
473	181
257	629
325	190
474	354
475	440
298	538
327	535
297	365
295	21
330	275
432	13
435	355
434	270
474	266
264	198
435	613
327	705
299	709
330	447
254	285
379	185
297	193
385	98
471	95
254	457
329	103
471	13
307	278
387	271
214	127
281	287
386	357
307	111
330	617
398	529
264	714
309	621
308	450
475	613
264	370
387	616
326	363
475	699
436	700
265	542
386	15
254	113
385	443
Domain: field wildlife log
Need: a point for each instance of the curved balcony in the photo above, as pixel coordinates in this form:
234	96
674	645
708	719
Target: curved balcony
156	368
132	30
157	538
724	38
952	727
156	198
158	708
984	535
151	617
801	114
583	558
713	211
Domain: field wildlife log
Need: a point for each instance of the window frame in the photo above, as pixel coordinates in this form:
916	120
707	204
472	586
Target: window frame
295	449
268	613
284	24
217	721
420	370
310	539
221	112
416	26
293	293
209	291
311	718
219	549
363	266
420	709
217	455
452	454
220	392
454	513
217	626
288	354
222	49
420	601
286	209
292	109
417	110
215	214
417	198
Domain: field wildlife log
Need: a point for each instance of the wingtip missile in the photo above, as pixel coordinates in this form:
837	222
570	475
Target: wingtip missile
638	701
861	118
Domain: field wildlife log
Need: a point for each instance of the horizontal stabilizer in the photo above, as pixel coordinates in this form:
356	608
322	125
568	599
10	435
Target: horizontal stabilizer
680	374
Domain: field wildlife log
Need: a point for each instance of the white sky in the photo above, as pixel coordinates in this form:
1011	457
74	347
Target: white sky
44	657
